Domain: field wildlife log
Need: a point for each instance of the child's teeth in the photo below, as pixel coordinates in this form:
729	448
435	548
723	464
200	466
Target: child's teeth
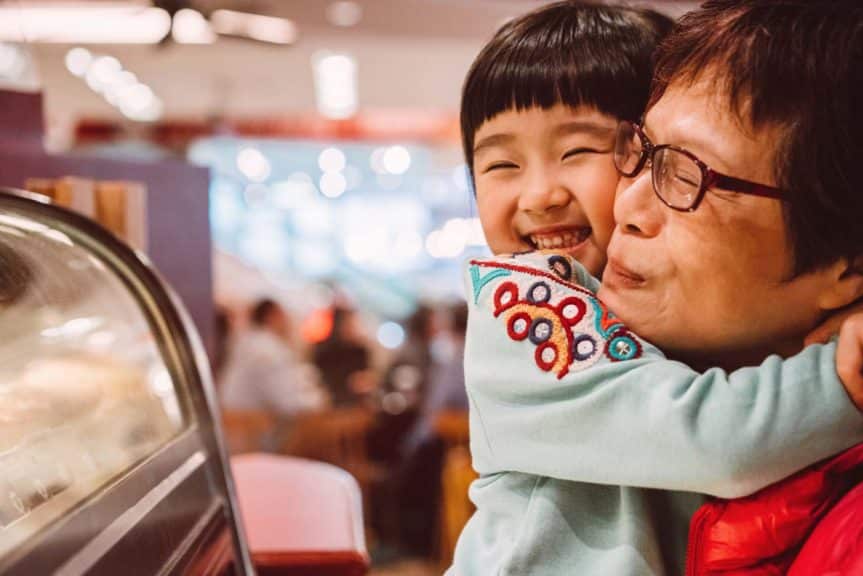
560	240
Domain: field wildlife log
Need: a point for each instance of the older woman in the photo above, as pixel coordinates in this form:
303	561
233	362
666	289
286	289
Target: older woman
737	222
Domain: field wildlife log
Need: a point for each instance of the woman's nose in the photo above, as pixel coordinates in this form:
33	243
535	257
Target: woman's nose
636	208
543	193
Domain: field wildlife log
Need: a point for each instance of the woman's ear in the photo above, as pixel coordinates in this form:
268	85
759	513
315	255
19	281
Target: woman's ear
845	284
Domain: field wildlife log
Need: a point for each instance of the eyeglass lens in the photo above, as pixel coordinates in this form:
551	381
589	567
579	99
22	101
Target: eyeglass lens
676	177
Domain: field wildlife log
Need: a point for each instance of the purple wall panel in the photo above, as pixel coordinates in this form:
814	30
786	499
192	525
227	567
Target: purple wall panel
179	241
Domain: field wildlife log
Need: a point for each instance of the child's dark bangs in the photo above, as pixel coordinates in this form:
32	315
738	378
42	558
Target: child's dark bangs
543	85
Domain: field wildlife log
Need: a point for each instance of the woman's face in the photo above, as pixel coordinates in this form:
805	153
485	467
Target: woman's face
711	284
546	179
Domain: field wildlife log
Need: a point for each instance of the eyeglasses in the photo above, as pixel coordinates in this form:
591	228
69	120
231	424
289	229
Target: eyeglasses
679	178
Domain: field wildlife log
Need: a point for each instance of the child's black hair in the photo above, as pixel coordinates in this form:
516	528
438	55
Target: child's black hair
572	52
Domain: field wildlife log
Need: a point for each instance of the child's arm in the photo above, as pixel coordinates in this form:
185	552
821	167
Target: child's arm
849	358
643	422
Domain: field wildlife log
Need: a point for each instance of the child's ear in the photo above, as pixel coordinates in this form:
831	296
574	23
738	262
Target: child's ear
845	284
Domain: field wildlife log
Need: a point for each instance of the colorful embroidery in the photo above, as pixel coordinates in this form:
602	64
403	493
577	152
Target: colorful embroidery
622	346
480	282
566	323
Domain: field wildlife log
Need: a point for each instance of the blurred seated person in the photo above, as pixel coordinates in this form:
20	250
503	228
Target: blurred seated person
261	372
446	390
411	498
344	360
404	386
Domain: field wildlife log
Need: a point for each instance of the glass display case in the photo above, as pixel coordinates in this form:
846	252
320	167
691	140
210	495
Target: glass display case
110	458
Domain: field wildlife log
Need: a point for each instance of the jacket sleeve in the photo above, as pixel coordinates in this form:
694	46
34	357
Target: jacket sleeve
650	422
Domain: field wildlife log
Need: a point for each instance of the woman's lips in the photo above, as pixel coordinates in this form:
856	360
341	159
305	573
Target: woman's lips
616	274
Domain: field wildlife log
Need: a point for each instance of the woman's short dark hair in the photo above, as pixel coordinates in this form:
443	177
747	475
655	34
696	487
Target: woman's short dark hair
795	66
574	53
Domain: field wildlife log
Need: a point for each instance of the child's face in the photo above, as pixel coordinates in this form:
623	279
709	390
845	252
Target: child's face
546	179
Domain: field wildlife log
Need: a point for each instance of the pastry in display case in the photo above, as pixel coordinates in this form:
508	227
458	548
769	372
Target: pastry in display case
110	457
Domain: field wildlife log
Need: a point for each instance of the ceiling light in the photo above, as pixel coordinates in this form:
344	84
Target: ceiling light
13	62
78	60
190	27
344	14
335	84
102	72
84	23
256	26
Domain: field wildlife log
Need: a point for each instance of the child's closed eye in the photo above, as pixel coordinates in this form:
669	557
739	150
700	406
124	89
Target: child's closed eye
499	166
575	152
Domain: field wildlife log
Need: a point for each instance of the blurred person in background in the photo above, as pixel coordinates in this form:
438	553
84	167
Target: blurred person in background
418	492
410	499
344	360
404	387
261	372
446	390
221	337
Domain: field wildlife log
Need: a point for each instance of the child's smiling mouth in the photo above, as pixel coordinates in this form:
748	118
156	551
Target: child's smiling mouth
560	239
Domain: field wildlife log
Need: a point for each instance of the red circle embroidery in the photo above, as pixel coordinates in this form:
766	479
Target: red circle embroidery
506	296
572	301
514	331
539	356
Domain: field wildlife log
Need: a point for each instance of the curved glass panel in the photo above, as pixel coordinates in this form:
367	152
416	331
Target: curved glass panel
84	390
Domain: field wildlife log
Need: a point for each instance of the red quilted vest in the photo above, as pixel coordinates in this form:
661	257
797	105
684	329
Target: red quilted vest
793	527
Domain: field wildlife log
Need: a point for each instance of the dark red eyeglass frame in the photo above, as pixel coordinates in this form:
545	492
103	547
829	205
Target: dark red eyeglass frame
709	177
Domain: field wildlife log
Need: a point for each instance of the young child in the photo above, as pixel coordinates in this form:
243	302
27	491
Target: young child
567	441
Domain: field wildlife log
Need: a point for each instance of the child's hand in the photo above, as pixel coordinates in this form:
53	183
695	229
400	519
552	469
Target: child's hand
849	358
830	327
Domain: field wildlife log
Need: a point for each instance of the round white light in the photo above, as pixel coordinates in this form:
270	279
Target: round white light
78	60
117	91
344	14
102	72
396	160
253	164
332	160
144	110
333	184
135	97
391	335
191	27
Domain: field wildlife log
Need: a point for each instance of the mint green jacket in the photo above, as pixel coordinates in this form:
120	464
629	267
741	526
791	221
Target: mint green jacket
589	442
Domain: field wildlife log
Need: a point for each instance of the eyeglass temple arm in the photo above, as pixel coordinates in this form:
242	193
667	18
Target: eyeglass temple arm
714	179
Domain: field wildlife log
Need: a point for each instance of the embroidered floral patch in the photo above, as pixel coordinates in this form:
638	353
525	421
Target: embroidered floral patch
538	301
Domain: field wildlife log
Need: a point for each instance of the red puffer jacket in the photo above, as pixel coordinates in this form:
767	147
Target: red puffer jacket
809	524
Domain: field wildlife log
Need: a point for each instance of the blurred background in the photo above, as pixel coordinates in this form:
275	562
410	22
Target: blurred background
293	168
